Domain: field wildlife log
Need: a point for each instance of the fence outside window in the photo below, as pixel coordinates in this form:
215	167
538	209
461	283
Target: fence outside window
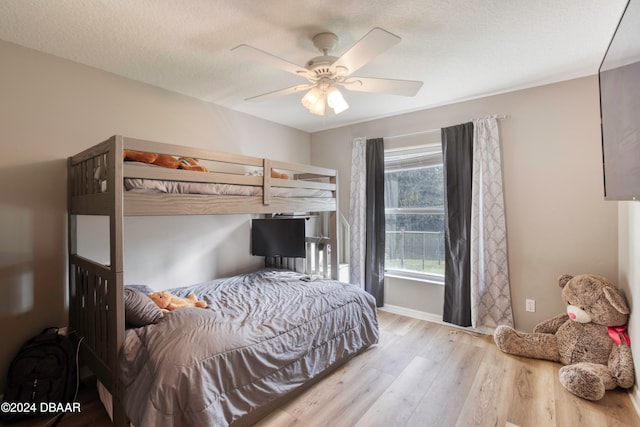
417	251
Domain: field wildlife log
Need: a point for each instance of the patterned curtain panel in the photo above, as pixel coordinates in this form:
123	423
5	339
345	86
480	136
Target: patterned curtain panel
490	293
366	217
357	212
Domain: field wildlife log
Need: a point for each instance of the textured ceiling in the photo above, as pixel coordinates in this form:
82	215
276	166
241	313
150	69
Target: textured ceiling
460	49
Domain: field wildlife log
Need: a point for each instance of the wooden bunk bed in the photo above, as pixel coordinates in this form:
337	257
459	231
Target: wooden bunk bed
95	187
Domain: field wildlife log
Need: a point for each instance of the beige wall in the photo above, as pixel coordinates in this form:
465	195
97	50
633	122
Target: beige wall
557	219
52	108
629	275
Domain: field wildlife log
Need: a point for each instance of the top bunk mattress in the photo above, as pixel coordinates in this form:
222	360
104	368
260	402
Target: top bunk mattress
143	185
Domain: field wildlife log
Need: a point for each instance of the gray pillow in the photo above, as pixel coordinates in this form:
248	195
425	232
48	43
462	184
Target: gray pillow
139	309
142	288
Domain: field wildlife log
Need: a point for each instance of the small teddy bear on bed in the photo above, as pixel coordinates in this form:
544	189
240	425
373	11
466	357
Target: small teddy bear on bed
167	301
589	339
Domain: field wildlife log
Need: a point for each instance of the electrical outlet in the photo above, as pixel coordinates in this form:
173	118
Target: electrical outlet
530	305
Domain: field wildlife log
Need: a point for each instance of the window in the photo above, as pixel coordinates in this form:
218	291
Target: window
414	212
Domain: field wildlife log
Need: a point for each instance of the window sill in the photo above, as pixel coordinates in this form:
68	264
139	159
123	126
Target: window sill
413	277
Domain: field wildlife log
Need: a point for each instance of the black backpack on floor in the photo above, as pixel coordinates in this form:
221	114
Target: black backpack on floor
44	370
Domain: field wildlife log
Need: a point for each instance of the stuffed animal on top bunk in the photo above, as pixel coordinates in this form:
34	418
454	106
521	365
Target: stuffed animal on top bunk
589	339
164	160
281	175
167	301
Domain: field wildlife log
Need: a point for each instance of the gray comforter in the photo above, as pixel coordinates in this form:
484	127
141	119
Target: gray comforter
263	335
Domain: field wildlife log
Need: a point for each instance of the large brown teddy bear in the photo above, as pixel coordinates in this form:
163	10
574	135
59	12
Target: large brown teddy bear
589	339
167	301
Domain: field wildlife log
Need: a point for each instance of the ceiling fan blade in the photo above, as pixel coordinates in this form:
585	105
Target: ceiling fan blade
269	59
372	44
388	86
279	92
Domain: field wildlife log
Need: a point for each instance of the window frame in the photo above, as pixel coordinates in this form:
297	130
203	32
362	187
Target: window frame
428	150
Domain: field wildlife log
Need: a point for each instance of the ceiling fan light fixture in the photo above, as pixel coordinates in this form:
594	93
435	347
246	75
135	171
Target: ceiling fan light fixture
318	107
312	97
319	97
335	100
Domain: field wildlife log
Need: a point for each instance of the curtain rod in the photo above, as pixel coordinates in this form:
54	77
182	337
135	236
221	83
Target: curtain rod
494	116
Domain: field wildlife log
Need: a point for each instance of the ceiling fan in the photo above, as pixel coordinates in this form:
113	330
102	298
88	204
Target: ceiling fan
326	73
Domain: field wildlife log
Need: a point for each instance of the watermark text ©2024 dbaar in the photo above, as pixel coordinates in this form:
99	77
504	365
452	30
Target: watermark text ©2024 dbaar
40	408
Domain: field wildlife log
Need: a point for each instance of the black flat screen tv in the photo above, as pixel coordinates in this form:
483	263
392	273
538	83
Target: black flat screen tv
278	237
619	78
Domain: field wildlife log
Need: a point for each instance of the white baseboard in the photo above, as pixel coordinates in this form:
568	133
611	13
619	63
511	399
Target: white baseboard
403	311
429	317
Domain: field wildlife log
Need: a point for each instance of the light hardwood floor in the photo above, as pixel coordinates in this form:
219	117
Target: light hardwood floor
426	374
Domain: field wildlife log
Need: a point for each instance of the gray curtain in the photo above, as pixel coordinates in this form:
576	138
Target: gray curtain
375	220
457	155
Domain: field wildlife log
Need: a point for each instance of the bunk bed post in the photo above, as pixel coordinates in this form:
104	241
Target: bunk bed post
72	221
266	181
116	292
333	233
96	295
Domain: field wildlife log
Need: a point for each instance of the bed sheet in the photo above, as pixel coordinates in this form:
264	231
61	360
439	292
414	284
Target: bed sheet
262	335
